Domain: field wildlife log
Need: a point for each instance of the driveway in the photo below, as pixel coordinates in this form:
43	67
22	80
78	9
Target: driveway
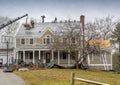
10	79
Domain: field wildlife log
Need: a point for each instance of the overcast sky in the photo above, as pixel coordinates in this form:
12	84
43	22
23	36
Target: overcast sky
62	9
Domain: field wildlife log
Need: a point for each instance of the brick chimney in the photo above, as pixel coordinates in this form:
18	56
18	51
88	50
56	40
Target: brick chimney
82	20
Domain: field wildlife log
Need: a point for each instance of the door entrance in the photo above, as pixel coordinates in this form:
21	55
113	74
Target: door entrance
47	57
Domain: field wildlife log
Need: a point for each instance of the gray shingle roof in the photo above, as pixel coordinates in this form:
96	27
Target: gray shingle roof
39	29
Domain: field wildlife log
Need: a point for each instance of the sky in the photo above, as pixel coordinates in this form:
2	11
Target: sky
62	9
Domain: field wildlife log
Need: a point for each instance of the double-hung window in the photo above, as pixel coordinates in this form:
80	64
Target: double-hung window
22	41
31	41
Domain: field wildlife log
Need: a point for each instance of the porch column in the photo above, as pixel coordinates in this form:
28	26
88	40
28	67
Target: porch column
39	54
16	57
33	57
24	56
58	57
111	60
52	55
88	59
69	58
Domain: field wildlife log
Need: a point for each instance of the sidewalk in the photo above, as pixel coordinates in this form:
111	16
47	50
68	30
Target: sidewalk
10	79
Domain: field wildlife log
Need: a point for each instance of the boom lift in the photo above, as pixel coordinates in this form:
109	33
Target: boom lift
12	21
7	69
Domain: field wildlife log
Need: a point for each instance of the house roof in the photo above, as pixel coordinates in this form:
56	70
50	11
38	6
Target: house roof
39	29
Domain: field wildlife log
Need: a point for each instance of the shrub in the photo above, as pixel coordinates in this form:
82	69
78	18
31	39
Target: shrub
116	61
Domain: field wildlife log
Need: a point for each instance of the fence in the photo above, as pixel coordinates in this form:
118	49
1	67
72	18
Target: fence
73	78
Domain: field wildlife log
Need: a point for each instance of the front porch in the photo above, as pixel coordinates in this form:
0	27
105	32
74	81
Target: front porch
46	56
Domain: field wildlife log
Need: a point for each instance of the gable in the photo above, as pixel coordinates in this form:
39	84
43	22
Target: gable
48	31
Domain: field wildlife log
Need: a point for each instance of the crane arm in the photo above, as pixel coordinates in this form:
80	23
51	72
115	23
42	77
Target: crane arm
12	21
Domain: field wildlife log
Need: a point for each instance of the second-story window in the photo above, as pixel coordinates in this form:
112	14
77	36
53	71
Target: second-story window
64	40
22	41
31	41
73	40
47	40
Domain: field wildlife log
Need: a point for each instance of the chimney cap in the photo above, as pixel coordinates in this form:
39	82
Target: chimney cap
43	18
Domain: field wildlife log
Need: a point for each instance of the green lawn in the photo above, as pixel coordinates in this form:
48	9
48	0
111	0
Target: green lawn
62	77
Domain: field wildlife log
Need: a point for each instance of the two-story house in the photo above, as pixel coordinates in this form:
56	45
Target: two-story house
32	44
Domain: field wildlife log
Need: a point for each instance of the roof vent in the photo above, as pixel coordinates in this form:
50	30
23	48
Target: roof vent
74	20
39	31
32	23
69	21
43	18
65	21
60	21
55	20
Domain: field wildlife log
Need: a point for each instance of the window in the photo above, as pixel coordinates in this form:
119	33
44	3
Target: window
64	55
22	41
31	55
73	40
91	57
31	41
44	40
64	40
47	40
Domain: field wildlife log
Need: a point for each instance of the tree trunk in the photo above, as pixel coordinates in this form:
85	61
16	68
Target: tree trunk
77	64
119	46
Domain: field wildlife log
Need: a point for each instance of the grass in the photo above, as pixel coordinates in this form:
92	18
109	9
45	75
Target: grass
62	77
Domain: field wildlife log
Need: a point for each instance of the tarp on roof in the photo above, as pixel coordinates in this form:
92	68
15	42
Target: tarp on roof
100	43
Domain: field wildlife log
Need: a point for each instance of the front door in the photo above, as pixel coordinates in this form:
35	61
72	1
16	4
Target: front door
47	57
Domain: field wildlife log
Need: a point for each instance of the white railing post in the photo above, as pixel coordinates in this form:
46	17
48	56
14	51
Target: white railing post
72	78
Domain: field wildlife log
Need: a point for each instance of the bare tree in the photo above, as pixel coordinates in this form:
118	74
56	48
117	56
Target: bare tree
101	28
10	29
70	38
